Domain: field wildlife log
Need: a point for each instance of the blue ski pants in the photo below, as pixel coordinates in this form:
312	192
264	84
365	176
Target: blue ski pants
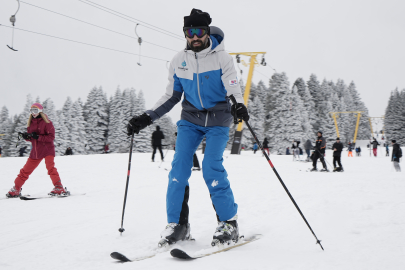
189	136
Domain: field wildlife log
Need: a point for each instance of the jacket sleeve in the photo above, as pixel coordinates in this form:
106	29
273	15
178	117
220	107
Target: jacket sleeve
323	143
174	92
49	135
229	77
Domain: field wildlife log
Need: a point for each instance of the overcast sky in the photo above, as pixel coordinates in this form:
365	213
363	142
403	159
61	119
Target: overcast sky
362	41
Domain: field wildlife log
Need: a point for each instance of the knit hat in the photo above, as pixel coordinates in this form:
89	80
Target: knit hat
37	105
197	18
320	132
338	139
394	141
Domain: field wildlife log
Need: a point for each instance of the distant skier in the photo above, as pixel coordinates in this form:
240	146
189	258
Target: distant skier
22	151
396	155
296	150
157	137
308	146
358	151
0	150
320	147
266	146
375	145
255	147
196	163
68	152
106	148
41	134
287	151
205	72
337	151
387	150
350	149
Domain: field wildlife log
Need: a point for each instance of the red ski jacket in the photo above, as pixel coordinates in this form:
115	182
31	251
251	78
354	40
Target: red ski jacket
44	146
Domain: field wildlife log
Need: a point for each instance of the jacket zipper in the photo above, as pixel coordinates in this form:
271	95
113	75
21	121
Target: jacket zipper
36	153
206	118
198	81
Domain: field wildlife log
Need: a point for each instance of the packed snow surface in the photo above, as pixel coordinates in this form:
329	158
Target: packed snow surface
359	215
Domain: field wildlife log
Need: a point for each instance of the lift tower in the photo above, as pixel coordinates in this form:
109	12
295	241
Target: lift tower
237	140
336	115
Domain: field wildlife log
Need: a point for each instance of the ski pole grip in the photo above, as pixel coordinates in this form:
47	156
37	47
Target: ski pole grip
235	118
233	99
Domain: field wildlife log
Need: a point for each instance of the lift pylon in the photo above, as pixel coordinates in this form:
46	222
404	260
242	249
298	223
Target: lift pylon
336	114
237	140
371	126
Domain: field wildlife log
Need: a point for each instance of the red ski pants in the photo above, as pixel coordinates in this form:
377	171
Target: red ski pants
31	165
375	151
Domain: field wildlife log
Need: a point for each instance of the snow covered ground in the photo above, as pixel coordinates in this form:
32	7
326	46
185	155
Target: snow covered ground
359	215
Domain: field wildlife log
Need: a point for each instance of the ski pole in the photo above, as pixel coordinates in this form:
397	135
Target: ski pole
121	230
275	171
167	150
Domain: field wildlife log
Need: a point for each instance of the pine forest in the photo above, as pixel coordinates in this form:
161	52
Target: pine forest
281	111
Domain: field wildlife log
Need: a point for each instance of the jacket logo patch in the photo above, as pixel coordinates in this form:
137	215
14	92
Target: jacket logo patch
184	64
233	82
207	77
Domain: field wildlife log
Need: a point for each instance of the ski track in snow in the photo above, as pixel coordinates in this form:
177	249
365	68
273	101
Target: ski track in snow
358	215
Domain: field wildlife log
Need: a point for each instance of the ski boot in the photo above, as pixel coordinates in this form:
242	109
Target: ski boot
324	170
59	191
313	170
174	232
339	169
334	169
14	193
226	232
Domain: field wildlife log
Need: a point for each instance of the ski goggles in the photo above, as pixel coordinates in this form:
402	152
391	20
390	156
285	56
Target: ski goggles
199	31
35	110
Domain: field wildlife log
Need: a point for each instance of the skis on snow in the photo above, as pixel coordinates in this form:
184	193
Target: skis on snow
29	198
178	253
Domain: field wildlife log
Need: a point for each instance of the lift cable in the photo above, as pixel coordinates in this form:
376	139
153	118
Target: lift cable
88	44
131	19
96	26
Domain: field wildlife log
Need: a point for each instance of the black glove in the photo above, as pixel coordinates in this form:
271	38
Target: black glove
137	123
26	136
34	135
239	112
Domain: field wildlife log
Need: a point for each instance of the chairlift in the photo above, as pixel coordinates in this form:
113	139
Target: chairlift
140	43
263	62
13	20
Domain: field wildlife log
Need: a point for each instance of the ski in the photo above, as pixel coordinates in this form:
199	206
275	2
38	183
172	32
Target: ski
180	254
122	258
7	198
310	170
29	198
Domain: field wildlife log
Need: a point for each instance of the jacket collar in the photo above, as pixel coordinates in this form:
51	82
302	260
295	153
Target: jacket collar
214	46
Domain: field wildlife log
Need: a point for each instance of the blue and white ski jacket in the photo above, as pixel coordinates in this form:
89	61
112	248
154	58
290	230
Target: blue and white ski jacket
206	78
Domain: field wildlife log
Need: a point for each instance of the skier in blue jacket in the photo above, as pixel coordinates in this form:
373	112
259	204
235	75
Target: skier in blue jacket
205	73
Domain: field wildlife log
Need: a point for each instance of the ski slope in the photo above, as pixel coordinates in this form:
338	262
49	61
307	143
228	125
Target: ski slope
359	215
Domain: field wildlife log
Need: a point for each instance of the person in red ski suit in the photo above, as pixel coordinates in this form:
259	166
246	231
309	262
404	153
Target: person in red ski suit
41	133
